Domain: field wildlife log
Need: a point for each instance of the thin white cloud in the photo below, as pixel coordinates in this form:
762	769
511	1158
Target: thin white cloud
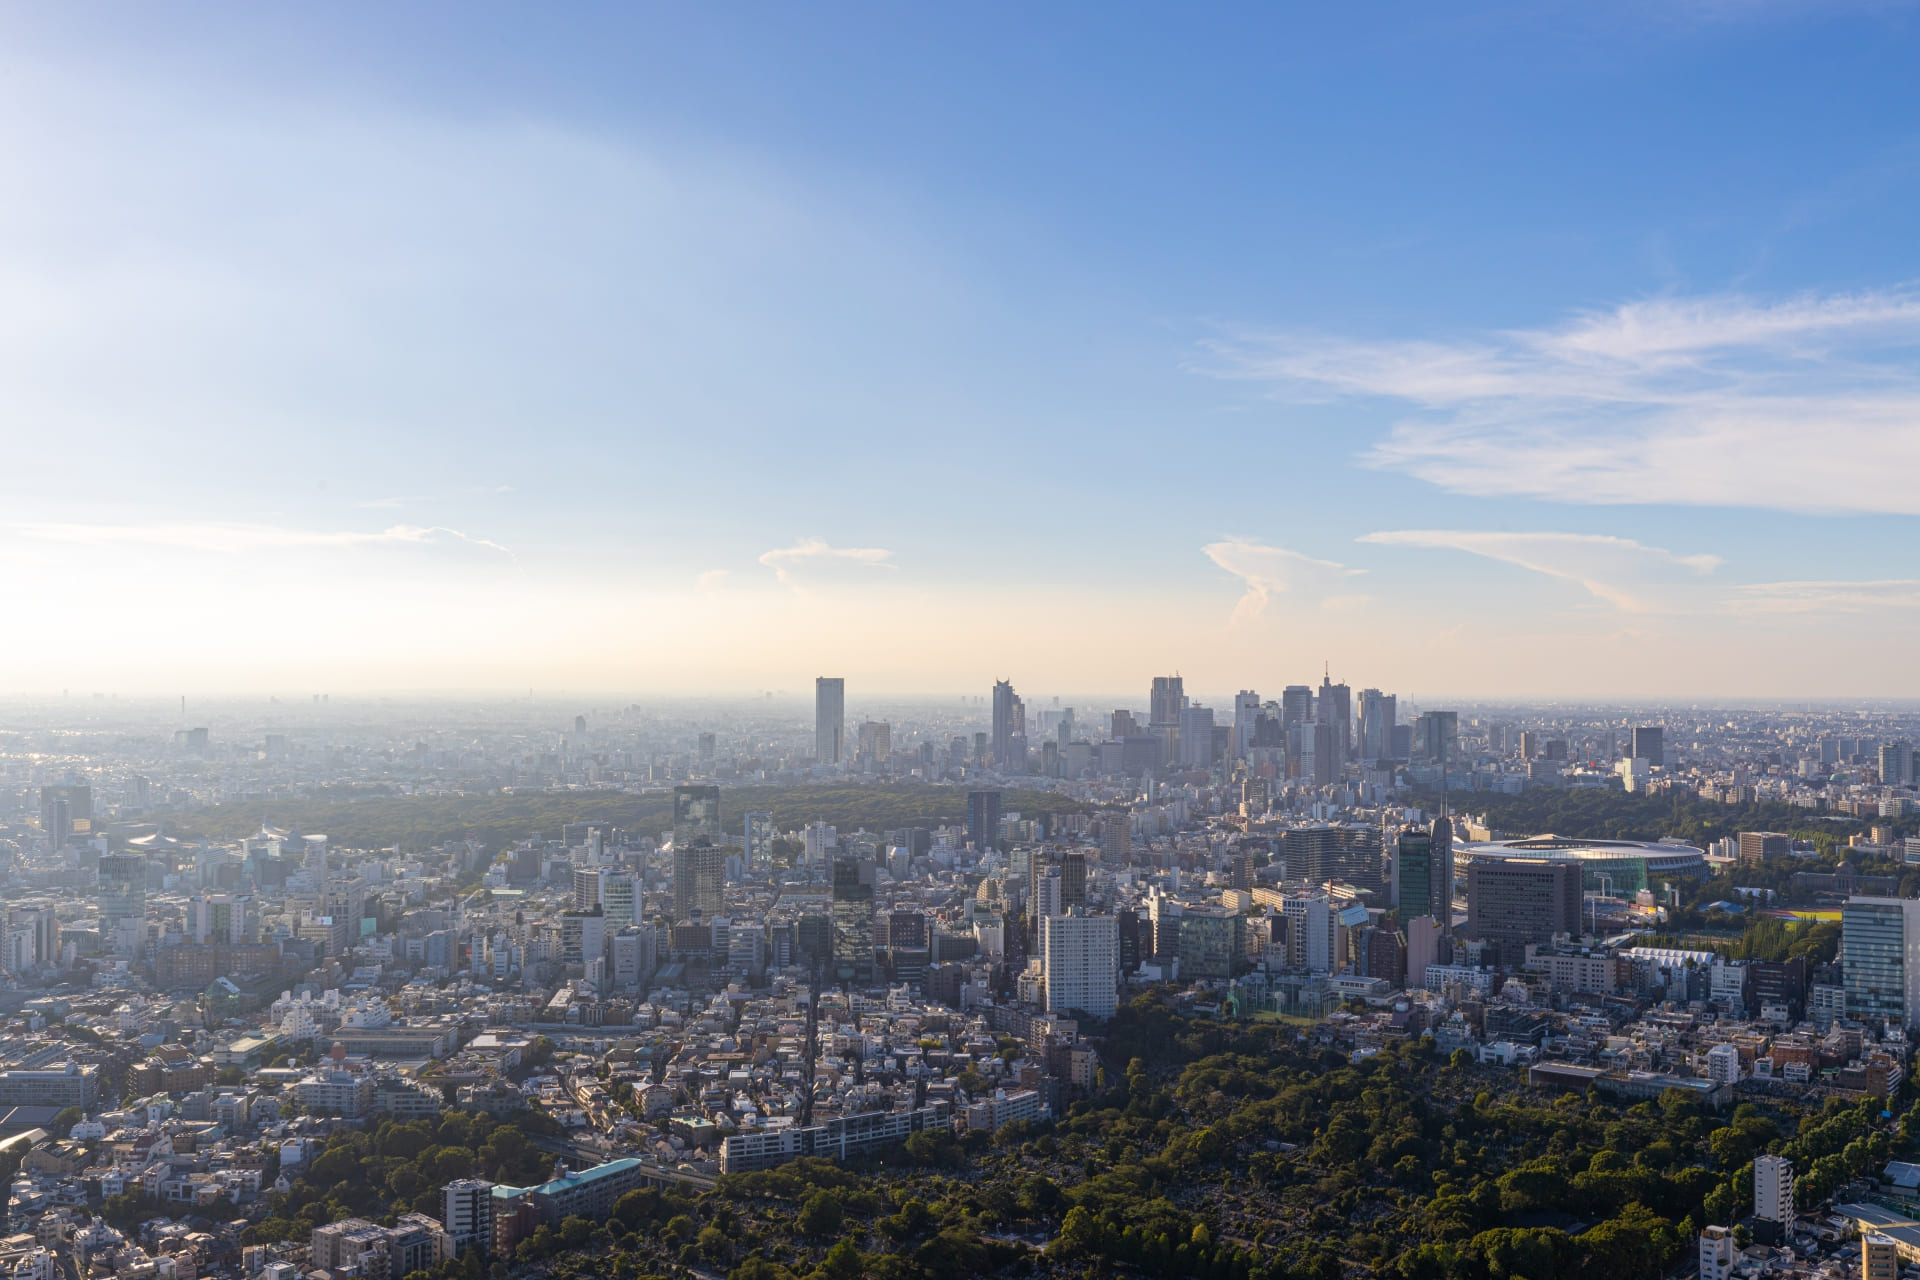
711	580
1269	571
1719	400
1826	597
1628	575
815	552
234	539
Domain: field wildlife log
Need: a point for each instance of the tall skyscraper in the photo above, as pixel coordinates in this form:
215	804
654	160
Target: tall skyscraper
1334	707
829	719
983	820
1296	704
757	839
1165	701
1436	737
1009	729
1896	764
699	879
1423	866
696	814
1880	947
65	808
1196	737
1246	722
1080	964
853	920
1649	744
1377	716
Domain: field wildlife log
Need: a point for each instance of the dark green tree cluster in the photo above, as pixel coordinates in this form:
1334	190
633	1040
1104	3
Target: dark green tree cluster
397	1167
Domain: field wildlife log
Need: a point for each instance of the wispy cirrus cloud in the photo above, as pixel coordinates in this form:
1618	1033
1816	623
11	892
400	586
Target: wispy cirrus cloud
807	553
235	539
1826	597
1269	571
1628	575
1720	400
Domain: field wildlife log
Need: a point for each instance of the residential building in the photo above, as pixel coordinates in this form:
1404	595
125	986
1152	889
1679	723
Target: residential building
1773	1188
1080	962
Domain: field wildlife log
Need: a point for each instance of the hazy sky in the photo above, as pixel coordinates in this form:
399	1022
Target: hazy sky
1523	349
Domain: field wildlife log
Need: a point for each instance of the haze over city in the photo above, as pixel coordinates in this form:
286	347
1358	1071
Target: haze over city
999	642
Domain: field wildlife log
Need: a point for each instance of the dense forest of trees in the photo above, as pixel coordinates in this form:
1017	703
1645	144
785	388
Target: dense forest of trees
1597	813
1211	1151
371	821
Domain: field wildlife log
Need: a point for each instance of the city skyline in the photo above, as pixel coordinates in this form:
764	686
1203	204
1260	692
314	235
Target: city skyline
1488	327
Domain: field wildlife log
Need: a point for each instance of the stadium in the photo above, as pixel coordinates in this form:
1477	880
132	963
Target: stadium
1619	867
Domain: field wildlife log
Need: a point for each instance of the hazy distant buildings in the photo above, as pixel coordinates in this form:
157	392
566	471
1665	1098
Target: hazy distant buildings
983	820
1649	744
699	858
757	839
1009	729
1196	737
696	814
829	719
1377	712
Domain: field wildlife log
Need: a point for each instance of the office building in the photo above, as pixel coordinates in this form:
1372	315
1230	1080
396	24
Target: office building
853	920
875	747
1880	954
1896	764
1649	744
123	889
1009	742
583	936
1773	1188
71	1084
1436	737
66	808
829	720
216	918
699	880
466	1212
1423	867
1514	901
1116	839
696	815
1196	737
1377	715
1324	852
1073	882
1334	707
1763	846
1213	942
1246	722
1080	963
1311	927
983	820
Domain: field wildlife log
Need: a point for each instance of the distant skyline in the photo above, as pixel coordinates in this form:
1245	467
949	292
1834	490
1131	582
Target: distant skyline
1500	350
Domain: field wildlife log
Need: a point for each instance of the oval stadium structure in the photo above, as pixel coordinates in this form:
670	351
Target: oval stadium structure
1620	867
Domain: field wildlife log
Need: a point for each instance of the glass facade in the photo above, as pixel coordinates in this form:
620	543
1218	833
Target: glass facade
1873	946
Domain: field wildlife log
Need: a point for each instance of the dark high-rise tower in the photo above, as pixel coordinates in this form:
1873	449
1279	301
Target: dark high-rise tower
829	719
1649	744
983	820
1009	729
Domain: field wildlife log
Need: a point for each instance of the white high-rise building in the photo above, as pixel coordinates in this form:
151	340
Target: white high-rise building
466	1211
1196	737
620	899
1311	925
1080	962
1717	1253
1723	1067
1773	1188
757	840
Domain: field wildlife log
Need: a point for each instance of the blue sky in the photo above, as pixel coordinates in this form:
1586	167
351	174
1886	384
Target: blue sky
1504	349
